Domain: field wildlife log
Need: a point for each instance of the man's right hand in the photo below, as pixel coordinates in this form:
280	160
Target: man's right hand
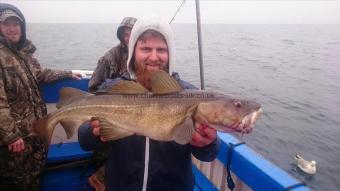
17	146
96	129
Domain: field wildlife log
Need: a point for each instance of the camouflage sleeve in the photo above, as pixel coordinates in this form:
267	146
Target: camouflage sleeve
45	75
9	132
99	74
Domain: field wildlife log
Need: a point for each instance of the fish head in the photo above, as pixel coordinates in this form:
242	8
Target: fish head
229	115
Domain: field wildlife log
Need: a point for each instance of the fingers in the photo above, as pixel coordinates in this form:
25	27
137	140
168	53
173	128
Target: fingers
199	141
94	123
206	131
17	146
203	136
96	131
95	127
210	133
102	139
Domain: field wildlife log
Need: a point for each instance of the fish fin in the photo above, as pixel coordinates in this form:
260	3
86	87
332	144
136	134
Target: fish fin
70	126
163	83
68	93
124	87
41	130
183	132
111	132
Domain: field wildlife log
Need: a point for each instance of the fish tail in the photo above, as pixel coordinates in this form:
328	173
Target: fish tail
40	128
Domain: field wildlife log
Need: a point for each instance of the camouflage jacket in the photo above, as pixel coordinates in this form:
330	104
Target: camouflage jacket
111	65
20	100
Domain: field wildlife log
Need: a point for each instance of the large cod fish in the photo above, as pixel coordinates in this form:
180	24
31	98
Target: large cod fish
167	113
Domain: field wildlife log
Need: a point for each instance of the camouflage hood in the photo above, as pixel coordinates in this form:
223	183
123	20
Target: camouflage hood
22	41
126	22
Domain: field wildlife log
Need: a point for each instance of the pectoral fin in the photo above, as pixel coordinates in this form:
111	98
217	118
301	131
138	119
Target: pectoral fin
111	132
183	133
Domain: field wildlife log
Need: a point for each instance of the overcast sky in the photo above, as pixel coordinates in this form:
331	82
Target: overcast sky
220	11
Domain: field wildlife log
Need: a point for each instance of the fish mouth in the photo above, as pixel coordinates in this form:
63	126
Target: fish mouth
245	126
248	122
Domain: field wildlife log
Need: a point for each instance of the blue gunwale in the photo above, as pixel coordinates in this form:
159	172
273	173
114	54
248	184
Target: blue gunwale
255	171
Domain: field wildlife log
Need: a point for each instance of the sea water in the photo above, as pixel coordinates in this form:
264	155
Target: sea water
292	70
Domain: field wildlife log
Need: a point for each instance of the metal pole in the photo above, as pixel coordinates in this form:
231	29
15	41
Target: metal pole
199	35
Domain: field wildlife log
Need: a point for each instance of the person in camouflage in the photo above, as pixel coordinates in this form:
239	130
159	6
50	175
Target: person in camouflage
113	63
22	154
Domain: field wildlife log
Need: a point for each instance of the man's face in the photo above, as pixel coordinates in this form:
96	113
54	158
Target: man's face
11	29
126	35
151	54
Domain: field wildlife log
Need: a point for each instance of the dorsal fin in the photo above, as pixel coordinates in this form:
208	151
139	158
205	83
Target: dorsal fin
163	83
124	87
68	93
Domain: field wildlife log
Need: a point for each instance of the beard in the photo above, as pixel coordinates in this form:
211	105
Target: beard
143	75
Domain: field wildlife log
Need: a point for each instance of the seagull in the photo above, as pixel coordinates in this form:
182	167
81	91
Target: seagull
308	167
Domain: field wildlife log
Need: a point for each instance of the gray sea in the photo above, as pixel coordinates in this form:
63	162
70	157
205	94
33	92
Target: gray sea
292	70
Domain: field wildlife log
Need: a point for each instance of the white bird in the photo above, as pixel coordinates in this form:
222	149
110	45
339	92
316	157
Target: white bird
308	167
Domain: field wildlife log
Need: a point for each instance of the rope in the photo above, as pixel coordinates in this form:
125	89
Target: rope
295	186
230	182
180	6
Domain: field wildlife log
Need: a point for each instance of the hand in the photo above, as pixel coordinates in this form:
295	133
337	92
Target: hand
203	136
76	76
96	129
17	146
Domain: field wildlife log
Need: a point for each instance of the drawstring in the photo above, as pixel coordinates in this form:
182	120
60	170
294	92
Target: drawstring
231	184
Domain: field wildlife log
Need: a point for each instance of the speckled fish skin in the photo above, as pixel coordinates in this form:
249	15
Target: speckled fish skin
157	116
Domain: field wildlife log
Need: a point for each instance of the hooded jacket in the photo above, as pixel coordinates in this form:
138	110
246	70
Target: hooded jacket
113	63
152	24
5	6
20	99
140	163
21	104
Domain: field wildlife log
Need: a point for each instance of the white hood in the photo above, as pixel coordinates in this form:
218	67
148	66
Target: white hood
155	24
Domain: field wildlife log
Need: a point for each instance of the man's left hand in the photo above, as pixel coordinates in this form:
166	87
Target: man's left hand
203	136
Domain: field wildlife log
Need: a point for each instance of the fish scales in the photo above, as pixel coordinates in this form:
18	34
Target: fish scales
165	114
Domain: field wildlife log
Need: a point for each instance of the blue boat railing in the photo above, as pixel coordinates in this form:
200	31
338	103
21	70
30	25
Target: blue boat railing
250	171
249	168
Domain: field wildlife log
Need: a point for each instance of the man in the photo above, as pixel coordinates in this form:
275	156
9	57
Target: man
22	154
113	63
137	162
110	66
